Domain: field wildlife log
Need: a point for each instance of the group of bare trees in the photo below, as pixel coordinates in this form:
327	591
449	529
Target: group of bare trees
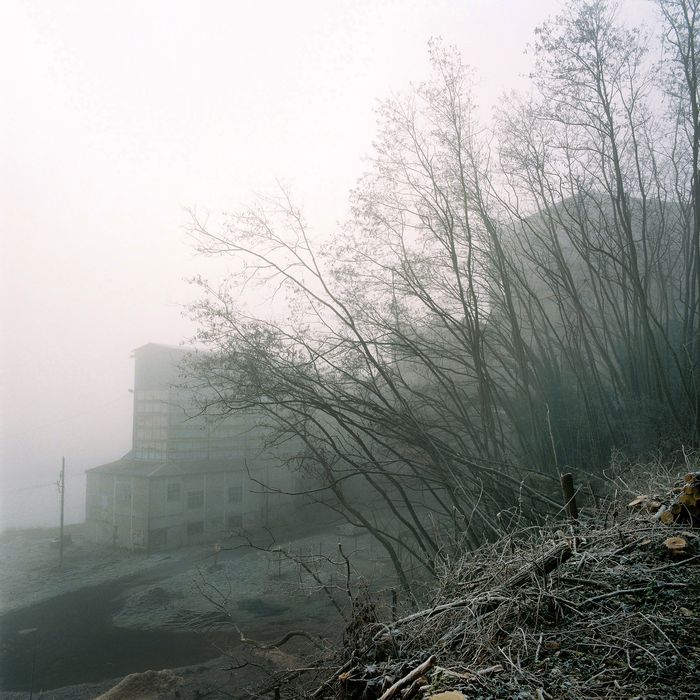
504	301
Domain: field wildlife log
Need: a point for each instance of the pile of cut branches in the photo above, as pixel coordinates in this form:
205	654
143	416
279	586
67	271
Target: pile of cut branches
683	506
605	607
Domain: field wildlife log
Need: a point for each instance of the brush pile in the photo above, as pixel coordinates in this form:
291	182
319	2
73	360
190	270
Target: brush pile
605	607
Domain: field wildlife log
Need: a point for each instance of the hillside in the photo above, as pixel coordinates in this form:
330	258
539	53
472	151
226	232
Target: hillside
606	607
603	607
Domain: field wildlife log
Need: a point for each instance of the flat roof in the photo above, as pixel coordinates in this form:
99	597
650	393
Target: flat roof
163	346
128	466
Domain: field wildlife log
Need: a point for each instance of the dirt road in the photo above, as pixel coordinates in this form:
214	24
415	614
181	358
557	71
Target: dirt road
108	614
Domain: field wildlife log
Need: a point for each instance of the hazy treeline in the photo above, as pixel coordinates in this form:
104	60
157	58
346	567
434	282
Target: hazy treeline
506	299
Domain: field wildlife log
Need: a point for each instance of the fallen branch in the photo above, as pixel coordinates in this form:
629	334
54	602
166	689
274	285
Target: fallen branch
676	563
409	678
328	682
542	566
279	642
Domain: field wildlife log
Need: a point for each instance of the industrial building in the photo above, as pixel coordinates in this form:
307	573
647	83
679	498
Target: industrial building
187	477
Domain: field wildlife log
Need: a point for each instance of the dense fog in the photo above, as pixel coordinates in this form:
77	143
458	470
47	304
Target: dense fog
354	345
119	117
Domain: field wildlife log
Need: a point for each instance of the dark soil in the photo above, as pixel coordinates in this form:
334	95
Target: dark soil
71	639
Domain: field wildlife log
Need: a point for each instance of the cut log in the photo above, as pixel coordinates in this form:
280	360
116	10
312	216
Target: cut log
676	545
684	506
688	499
667	517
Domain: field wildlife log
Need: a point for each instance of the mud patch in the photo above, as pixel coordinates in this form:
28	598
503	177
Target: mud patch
71	639
257	607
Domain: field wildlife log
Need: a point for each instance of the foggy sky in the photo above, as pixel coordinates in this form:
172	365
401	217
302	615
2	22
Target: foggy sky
118	115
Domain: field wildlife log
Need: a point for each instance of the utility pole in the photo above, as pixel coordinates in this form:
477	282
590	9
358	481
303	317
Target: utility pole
62	489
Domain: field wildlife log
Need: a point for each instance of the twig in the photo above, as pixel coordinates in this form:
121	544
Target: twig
283	640
539	646
663	634
626	547
327	683
496	668
347	572
675	563
656	586
585	582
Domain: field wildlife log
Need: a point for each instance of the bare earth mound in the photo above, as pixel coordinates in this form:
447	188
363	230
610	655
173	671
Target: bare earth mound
606	607
150	685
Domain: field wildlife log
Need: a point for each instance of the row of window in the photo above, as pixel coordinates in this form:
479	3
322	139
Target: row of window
146	419
151	433
152	395
195	499
154	450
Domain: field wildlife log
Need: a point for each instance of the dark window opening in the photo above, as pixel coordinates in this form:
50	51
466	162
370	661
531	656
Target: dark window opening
195	499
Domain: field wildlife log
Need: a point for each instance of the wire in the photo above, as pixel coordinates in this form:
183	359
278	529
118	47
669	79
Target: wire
34	487
31	488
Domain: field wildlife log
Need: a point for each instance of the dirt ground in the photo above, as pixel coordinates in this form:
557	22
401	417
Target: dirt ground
108	613
29	571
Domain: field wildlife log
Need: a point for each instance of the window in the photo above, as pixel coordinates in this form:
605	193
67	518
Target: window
151	419
235	494
194	529
174	491
195	499
123	492
234	520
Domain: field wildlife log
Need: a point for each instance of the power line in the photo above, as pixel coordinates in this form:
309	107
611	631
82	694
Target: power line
30	488
34	487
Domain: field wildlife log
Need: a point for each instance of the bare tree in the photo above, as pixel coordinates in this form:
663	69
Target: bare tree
603	232
501	303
